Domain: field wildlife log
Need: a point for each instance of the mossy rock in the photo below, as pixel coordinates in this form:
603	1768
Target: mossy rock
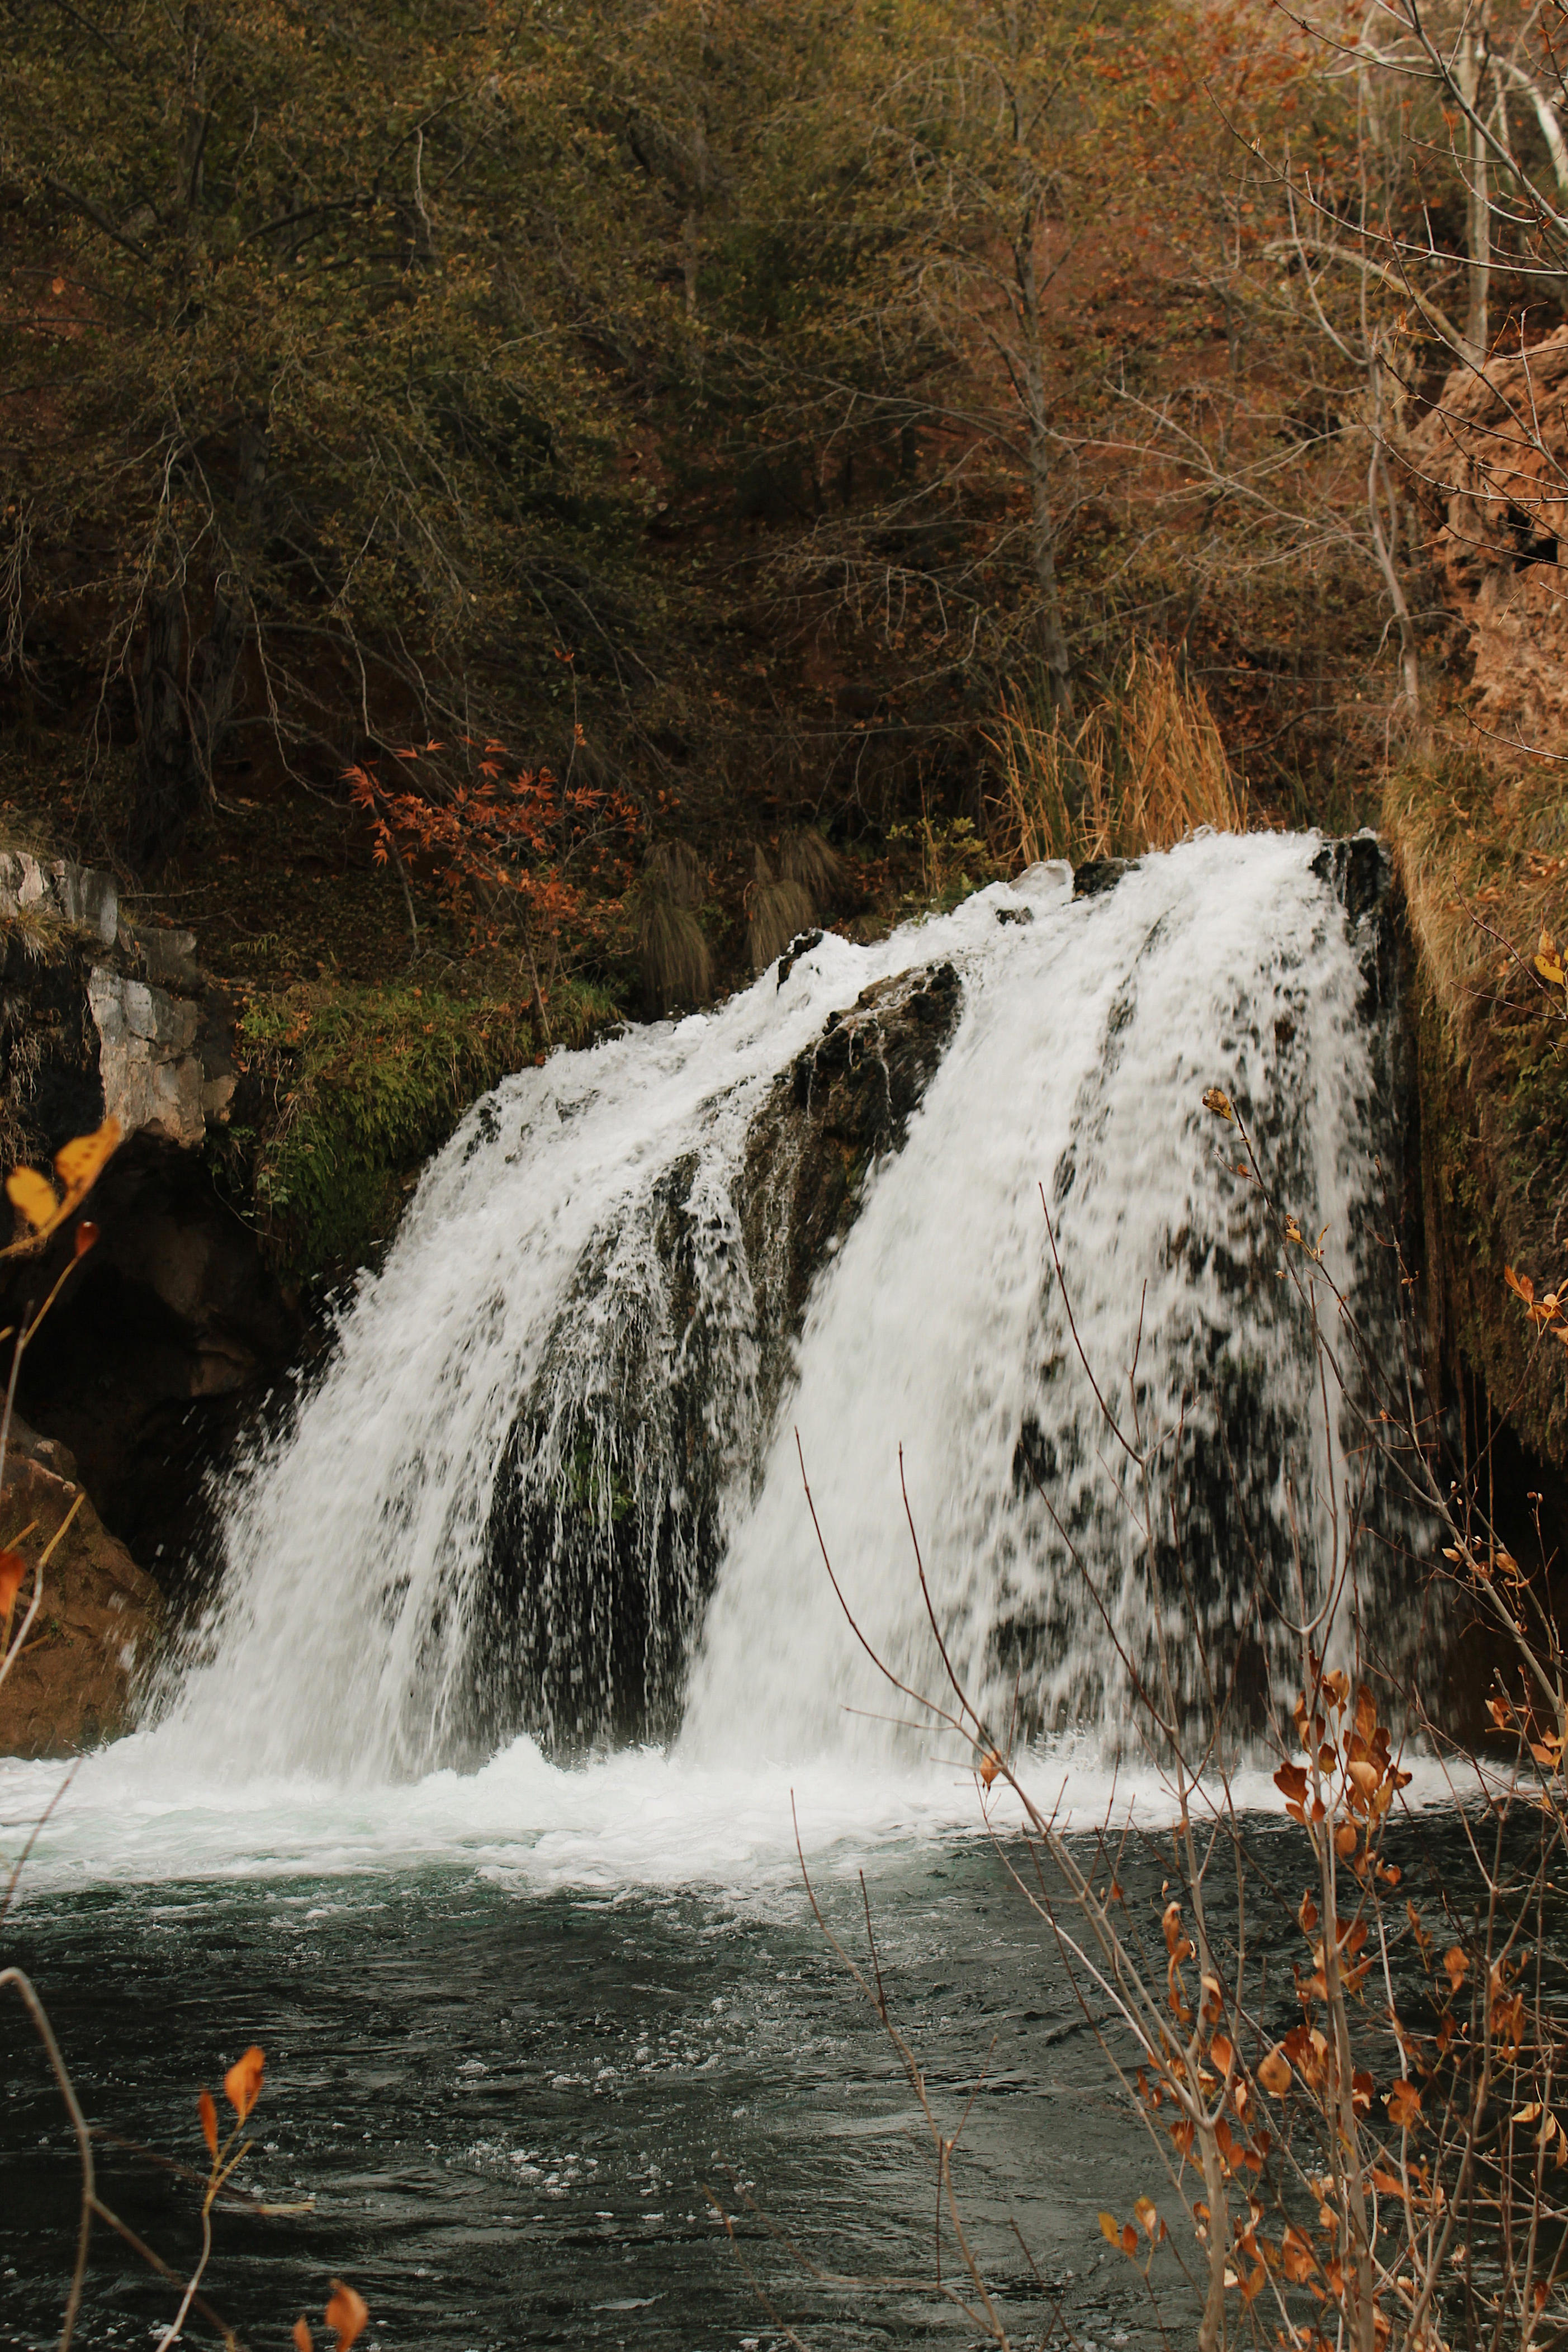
349	1091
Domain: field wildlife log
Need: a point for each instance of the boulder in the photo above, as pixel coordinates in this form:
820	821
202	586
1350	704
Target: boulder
98	1625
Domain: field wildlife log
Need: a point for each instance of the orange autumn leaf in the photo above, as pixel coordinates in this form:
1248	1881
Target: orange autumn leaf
991	1765
346	2313
242	2083
86	1235
12	1568
209	2116
303	2339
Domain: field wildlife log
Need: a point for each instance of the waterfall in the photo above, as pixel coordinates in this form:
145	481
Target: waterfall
548	1479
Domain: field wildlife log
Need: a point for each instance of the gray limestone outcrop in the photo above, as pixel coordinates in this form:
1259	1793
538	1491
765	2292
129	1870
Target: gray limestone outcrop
99	1017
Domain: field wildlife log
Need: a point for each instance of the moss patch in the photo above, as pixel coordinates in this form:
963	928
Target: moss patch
353	1088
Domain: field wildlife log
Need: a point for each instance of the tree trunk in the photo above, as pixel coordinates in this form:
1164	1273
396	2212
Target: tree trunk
183	705
162	808
1043	517
1468	75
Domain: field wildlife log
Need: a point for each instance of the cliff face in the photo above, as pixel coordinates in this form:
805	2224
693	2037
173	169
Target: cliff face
1487	460
1480	830
165	1337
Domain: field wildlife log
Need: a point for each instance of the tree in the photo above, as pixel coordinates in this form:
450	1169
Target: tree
318	325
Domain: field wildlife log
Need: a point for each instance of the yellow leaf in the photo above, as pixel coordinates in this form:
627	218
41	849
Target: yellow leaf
1549	970
1218	1102
81	1161
1148	2217
34	1195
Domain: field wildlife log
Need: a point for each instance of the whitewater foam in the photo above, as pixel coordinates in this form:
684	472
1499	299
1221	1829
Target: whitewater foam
637	1819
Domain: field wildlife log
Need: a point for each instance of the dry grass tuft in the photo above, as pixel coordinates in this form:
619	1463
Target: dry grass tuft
1482	851
777	908
807	858
677	962
1145	770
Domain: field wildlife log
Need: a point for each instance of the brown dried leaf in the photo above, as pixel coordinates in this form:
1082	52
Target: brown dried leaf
1404	2106
1274	2073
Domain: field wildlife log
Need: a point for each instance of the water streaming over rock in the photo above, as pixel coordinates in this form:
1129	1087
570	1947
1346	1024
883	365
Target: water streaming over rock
548	1480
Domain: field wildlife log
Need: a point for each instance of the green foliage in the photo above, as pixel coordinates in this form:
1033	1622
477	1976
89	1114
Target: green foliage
593	1484
365	1084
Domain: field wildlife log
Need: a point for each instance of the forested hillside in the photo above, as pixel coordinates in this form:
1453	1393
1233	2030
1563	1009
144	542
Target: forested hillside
511	512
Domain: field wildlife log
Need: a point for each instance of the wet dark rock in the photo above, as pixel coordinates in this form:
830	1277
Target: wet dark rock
800	945
1098	874
847	1103
1359	872
661	1379
1015	914
159	1346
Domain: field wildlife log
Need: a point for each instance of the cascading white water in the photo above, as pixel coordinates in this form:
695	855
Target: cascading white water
564	1360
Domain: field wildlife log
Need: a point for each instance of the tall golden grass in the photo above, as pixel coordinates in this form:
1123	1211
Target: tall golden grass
1481	845
1145	770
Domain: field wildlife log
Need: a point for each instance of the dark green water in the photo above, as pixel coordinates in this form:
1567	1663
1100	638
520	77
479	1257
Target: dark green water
506	2108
